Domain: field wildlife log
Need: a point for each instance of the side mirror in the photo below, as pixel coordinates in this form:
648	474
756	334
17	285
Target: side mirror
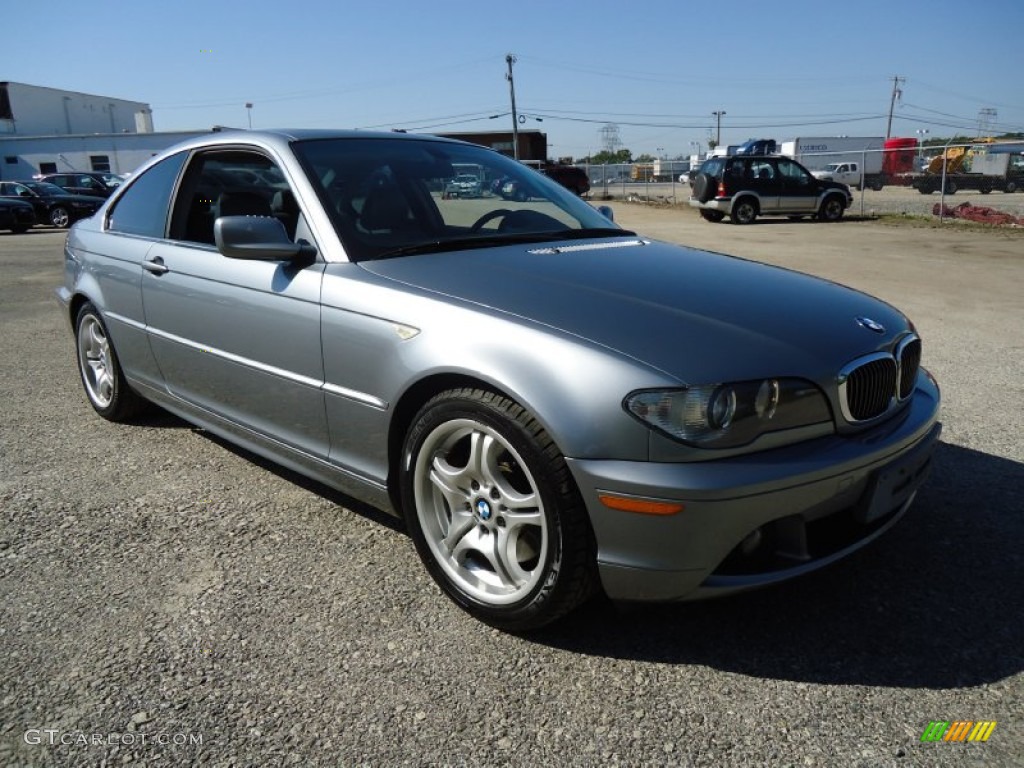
262	238
607	212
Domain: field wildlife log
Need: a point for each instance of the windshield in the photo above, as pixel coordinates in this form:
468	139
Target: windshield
390	197
45	188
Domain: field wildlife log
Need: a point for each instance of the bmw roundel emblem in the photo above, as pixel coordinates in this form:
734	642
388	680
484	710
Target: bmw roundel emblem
483	509
871	325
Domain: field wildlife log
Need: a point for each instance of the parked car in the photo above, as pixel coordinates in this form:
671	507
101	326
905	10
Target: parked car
744	187
16	216
92	183
554	404
51	203
463	185
569	176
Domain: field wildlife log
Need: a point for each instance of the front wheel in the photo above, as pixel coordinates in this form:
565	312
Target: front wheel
714	216
104	382
1010	187
494	512
832	209
60	217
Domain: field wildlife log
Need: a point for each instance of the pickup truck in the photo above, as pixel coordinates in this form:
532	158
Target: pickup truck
849	173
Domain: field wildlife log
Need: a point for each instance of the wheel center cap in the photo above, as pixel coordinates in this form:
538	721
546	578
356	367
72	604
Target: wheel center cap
483	509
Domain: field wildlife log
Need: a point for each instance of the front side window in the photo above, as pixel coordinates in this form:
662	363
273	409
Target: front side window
142	209
394	197
230	182
793	172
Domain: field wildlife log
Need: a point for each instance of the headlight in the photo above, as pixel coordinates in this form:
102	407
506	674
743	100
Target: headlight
730	415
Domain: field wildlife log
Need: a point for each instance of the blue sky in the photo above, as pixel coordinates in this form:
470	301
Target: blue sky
656	69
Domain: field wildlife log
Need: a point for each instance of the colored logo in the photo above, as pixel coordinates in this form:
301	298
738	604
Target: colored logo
960	730
871	325
483	509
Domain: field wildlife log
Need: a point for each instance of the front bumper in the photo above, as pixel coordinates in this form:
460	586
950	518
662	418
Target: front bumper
759	518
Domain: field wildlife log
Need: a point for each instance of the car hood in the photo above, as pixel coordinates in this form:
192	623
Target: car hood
700	317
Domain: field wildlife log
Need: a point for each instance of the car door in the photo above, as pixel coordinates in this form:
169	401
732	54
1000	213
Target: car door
762	179
235	337
798	193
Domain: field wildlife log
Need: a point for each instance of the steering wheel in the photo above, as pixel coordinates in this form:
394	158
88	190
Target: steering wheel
489	216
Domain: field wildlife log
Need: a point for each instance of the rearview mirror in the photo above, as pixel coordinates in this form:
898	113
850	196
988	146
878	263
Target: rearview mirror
257	237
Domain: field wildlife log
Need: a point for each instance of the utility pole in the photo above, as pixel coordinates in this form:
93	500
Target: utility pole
896	93
718	134
510	59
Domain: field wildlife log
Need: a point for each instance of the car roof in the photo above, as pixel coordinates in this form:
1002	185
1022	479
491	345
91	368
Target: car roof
282	136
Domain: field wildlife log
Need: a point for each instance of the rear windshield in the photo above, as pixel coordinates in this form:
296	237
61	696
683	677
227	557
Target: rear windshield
713	167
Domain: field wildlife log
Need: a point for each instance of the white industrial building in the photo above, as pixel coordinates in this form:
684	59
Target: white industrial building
46	130
32	110
23	157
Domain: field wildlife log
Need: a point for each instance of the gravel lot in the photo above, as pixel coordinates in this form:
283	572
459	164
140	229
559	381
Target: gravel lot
170	600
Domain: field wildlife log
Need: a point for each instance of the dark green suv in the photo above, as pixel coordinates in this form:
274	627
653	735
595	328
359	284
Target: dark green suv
744	187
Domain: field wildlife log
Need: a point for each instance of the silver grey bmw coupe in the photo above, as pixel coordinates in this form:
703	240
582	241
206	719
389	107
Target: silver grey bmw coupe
554	405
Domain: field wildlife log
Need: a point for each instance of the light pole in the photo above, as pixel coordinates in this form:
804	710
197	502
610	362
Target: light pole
717	114
510	60
922	132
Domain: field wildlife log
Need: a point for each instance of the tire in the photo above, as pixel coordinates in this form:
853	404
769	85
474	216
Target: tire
713	216
925	189
985	190
59	216
832	208
951	187
743	212
100	370
705	187
494	512
877	186
1010	187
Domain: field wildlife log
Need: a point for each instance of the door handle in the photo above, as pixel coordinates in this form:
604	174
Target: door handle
155	265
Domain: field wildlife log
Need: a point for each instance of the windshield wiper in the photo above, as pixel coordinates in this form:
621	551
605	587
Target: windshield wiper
491	241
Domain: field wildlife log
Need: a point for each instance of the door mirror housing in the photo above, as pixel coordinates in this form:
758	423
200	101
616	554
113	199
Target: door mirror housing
262	238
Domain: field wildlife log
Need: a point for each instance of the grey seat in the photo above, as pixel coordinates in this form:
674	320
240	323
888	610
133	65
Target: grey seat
242	204
386	210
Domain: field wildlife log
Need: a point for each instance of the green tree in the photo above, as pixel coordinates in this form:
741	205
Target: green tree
604	156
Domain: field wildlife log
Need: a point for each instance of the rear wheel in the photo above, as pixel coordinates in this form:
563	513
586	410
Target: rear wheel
1010	187
714	216
832	209
743	212
951	187
104	382
876	186
494	511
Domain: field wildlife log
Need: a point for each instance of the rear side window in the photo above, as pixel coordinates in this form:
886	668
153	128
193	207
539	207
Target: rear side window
142	209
